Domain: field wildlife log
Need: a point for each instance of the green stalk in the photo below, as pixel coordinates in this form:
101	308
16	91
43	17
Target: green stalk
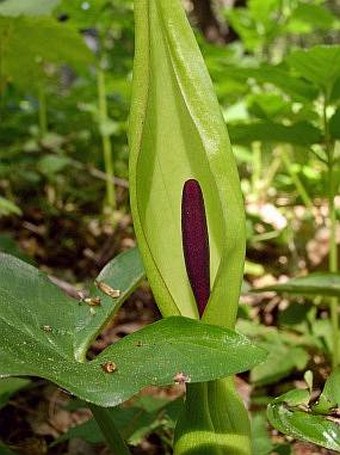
333	250
42	110
333	265
270	174
194	433
214	421
296	180
257	166
114	439
106	142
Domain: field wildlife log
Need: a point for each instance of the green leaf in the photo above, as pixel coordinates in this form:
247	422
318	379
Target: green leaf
281	361
177	132
312	284
27	7
268	105
296	397
319	64
302	425
302	133
30	42
305	18
37	338
124	273
49	165
280	76
8	207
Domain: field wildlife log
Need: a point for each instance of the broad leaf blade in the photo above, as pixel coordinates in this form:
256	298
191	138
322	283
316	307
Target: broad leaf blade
36	339
157	353
312	284
123	273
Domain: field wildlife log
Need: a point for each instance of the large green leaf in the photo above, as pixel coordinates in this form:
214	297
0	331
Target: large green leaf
37	339
312	284
177	132
123	273
27	43
319	64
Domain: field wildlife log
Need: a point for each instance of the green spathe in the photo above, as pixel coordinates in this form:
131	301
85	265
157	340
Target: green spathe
177	132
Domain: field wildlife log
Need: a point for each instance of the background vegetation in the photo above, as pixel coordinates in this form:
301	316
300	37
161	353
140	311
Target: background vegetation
65	73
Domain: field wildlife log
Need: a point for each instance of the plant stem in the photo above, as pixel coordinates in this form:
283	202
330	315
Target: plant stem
333	249
114	439
333	266
270	174
106	142
42	110
296	180
257	166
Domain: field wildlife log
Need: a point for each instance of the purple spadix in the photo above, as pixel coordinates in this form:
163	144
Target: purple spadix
196	242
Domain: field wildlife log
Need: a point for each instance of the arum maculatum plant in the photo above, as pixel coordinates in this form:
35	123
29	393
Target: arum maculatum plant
187	208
